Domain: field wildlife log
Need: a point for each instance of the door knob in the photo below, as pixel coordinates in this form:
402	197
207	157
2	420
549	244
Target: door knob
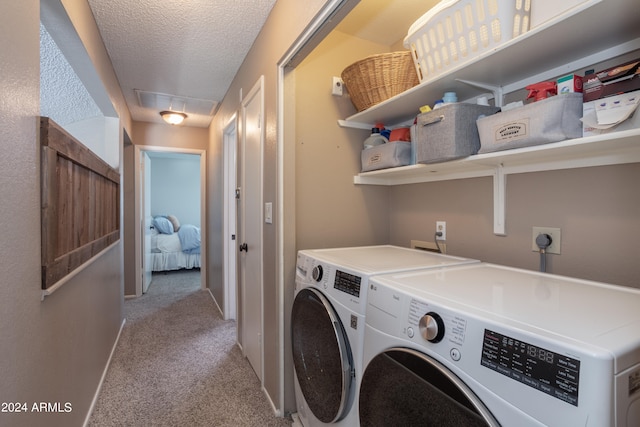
244	247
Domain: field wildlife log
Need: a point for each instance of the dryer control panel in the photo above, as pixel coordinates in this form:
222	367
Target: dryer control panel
349	283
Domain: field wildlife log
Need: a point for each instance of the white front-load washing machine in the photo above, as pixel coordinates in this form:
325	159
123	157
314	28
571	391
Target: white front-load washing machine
327	323
487	345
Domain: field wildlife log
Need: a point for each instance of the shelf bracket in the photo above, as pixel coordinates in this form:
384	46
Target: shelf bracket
498	91
499	201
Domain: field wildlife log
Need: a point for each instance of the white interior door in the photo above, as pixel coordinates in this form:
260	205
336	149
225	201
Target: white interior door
250	256
145	178
230	231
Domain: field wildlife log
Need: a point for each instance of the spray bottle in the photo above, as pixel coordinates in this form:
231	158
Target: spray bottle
542	90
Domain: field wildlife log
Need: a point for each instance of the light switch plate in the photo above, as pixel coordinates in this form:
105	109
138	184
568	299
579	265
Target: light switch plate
268	213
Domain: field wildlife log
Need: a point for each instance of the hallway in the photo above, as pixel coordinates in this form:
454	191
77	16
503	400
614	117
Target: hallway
177	363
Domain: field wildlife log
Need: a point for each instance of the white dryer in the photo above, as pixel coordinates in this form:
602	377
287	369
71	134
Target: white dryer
327	323
486	345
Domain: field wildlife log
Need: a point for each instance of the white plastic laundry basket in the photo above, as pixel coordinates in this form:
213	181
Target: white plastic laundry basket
456	31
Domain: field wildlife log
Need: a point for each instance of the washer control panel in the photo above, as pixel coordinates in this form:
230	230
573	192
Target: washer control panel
552	373
436	324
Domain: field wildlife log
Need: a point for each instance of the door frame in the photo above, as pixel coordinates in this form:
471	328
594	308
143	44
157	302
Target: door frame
138	213
257	90
145	210
230	226
325	21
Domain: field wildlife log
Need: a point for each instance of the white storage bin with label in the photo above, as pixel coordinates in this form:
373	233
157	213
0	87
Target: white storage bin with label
456	31
389	155
551	120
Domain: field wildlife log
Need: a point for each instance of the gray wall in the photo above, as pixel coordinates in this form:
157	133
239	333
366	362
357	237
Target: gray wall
175	187
53	350
152	135
330	210
597	208
164	135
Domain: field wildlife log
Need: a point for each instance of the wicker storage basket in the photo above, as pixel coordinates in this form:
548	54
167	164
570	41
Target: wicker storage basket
379	77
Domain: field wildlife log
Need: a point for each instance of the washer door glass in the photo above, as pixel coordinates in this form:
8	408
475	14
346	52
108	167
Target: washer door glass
402	387
321	355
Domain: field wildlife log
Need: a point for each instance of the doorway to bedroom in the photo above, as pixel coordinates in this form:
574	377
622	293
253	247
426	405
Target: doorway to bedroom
171	207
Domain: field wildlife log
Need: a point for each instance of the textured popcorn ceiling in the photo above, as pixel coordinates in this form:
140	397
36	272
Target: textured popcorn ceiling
185	48
63	97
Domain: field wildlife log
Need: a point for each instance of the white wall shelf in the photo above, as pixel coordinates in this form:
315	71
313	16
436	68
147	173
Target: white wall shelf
560	46
600	150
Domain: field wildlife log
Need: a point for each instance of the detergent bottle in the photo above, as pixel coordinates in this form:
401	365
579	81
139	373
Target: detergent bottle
542	90
375	139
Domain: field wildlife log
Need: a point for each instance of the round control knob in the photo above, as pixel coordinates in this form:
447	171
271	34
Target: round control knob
432	327
316	273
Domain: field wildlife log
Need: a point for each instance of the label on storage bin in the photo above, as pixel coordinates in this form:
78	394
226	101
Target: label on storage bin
375	158
510	131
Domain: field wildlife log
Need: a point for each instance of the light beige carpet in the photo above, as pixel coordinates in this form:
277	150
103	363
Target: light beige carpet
177	364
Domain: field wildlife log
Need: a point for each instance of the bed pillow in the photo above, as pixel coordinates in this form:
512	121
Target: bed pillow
174	222
163	225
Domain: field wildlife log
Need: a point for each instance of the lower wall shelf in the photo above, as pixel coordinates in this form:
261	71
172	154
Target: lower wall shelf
600	150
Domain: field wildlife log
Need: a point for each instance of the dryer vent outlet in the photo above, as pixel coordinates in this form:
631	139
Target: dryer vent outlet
429	246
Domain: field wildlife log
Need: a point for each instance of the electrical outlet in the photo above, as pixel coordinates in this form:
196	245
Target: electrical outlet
441	227
336	89
554	247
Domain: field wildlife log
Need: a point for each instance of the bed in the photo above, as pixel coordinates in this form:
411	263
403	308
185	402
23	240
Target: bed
174	246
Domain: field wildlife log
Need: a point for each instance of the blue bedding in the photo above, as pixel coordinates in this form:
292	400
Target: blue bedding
189	236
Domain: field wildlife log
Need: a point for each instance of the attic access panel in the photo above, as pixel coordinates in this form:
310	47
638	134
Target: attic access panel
163	101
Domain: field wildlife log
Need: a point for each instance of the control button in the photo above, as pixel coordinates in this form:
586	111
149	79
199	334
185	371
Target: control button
455	354
432	327
316	273
410	332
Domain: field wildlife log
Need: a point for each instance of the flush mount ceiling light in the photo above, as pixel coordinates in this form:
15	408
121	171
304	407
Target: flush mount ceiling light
173	117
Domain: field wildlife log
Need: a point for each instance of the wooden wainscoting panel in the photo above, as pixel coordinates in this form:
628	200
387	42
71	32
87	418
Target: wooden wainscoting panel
80	203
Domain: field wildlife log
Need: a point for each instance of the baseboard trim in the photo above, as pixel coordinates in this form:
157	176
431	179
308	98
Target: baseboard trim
296	420
216	303
275	410
104	375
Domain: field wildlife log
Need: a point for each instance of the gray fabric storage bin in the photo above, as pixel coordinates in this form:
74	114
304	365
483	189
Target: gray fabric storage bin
551	120
389	155
450	132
